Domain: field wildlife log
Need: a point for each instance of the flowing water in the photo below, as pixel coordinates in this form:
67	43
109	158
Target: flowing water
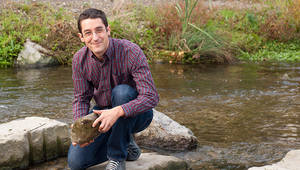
243	114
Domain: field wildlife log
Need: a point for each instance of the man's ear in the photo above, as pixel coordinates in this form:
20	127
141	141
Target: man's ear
81	37
108	30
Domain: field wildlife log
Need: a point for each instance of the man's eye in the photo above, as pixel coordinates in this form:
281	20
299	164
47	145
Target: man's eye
87	33
99	31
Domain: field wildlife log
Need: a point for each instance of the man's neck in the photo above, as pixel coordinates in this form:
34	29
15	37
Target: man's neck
100	57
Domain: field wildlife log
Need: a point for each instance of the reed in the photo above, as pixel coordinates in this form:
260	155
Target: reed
186	14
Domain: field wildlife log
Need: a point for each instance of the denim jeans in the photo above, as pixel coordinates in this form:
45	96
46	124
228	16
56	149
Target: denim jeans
112	144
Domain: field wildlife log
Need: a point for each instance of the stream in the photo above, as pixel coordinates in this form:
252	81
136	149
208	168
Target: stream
243	114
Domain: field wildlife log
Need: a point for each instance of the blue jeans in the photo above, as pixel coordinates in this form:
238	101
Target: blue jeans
112	144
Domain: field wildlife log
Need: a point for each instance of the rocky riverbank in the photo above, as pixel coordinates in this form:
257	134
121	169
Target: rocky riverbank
35	139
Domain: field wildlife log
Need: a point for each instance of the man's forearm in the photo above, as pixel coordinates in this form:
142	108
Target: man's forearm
80	109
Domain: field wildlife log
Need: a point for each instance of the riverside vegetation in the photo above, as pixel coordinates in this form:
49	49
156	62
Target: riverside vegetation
190	31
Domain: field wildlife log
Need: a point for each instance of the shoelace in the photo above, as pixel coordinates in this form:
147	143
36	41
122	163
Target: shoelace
112	165
133	151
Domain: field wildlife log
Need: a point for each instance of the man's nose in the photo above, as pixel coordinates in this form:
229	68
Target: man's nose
95	36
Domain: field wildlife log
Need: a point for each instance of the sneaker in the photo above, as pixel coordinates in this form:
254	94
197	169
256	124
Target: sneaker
133	150
115	165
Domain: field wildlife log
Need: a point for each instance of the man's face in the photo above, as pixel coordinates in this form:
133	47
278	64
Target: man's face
95	36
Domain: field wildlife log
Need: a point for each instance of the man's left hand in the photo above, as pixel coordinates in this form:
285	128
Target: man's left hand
108	118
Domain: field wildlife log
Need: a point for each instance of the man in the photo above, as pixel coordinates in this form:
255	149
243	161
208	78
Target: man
116	74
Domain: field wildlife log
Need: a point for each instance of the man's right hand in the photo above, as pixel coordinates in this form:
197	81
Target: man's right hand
83	145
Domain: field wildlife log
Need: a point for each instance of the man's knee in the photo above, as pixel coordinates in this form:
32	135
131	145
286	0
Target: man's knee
122	94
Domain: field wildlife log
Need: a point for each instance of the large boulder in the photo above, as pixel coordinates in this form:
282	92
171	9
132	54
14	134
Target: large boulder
291	161
34	55
164	133
32	139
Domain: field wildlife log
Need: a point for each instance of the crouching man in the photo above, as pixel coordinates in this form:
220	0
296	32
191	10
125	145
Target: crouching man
116	74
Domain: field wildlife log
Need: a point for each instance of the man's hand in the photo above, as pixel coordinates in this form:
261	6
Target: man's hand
108	118
83	145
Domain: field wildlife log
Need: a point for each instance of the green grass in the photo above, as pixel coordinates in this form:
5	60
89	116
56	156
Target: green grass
269	30
34	21
275	51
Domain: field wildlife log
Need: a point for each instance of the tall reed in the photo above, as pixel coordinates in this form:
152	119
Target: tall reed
186	14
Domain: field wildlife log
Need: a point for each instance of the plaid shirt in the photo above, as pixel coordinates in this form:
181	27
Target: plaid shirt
124	63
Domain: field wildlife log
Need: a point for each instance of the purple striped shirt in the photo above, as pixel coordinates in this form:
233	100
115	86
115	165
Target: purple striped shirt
123	63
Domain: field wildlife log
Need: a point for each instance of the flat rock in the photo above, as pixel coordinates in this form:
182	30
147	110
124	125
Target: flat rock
291	161
32	139
151	161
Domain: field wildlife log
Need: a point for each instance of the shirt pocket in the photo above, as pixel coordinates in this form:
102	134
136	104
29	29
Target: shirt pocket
119	79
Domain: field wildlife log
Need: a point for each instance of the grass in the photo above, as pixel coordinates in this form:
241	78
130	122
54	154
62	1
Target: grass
52	28
188	32
275	51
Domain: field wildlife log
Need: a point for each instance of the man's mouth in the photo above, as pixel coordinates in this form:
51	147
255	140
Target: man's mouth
97	43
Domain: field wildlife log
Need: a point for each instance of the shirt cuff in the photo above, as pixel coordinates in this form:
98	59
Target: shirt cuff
127	109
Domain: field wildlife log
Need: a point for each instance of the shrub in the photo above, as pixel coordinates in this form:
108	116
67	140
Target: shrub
282	21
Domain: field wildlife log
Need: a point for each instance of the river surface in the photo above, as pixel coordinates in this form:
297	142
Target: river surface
243	114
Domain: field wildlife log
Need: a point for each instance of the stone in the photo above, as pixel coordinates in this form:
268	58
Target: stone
82	131
34	55
31	140
164	133
14	150
289	162
151	161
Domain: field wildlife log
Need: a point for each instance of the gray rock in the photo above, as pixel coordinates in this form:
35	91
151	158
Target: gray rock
291	161
83	131
14	150
34	55
164	133
32	139
151	161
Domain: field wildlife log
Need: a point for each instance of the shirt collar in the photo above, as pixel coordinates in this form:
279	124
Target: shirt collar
110	50
108	54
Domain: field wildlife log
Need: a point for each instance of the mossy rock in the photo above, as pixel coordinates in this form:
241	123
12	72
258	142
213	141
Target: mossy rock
83	131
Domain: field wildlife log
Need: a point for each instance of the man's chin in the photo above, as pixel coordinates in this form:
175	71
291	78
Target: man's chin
97	50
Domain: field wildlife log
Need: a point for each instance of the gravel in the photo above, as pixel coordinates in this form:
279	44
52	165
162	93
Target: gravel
77	6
